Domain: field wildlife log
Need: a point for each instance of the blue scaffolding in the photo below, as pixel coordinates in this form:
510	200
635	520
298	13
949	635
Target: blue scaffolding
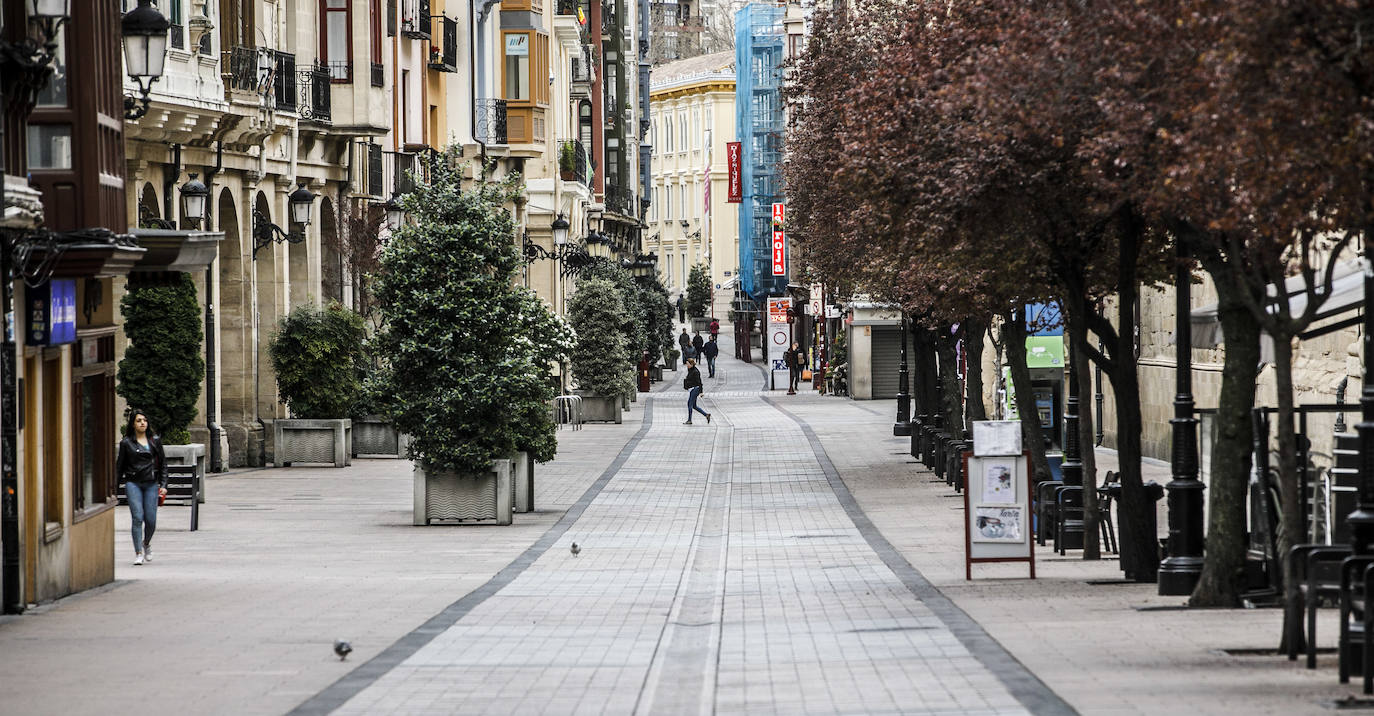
759	126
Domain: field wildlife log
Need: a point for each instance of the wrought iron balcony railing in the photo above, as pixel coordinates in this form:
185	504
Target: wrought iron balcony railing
444	58
315	96
378	74
574	161
241	69
491	121
374	169
341	71
415	20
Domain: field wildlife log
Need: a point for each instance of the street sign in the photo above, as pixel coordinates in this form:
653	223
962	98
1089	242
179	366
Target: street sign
779	241
735	190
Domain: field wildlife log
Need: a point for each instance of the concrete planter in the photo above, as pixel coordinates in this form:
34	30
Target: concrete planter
189	454
319	442
656	374
624	402
522	481
374	437
445	496
600	408
702	324
670	364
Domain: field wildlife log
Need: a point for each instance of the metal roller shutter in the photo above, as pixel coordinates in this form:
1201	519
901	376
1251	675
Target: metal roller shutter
887	360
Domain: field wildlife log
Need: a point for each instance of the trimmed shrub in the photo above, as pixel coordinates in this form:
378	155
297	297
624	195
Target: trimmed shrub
698	291
163	370
319	360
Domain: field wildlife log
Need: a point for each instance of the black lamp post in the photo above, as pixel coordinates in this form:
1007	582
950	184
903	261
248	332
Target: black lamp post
903	424
1179	572
265	232
394	212
145	52
1362	519
1072	467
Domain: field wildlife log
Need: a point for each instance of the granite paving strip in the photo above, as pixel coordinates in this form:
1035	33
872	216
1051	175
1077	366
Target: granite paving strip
720	543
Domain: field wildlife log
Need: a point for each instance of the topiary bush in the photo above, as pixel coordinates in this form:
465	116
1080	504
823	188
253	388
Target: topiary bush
319	359
598	358
162	370
468	354
698	291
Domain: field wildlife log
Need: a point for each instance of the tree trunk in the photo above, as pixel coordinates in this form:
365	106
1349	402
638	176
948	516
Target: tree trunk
1290	532
974	332
1139	543
1091	516
951	395
1014	338
923	367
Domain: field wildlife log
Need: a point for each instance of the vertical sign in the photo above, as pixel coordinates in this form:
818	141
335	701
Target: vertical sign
778	338
51	313
779	241
732	150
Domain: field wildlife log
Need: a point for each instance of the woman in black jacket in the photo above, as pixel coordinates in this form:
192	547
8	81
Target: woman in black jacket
142	464
692	384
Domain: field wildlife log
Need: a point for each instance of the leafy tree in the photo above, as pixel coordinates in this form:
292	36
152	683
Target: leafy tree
468	353
596	311
634	322
162	370
319	360
698	291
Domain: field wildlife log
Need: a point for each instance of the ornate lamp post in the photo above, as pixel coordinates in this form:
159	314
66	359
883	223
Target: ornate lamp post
194	196
1072	467
265	232
903	424
1179	572
1362	519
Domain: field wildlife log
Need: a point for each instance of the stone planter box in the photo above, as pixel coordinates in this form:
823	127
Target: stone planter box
670	364
656	374
189	454
624	402
700	324
467	497
374	437
319	442
600	408
522	482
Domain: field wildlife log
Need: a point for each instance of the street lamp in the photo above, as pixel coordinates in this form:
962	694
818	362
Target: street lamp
903	424
265	232
560	228
1180	571
145	52
194	196
395	213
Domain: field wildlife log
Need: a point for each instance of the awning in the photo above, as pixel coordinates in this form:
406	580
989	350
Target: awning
1347	294
176	249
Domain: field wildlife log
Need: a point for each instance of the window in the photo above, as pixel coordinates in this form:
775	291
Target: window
696	124
668	208
50	146
668	135
683	268
54	93
682	131
377	32
682	196
95	422
175	34
668	273
337	39
525	67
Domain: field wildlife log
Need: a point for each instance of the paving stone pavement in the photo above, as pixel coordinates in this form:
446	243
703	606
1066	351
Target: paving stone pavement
786	558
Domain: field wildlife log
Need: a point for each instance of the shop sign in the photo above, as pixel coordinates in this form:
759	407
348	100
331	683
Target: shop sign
51	313
732	156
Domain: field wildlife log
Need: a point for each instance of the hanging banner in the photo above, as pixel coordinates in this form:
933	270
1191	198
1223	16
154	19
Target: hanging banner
779	241
732	156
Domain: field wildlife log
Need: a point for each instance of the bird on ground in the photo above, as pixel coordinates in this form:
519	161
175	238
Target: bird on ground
575	549
343	649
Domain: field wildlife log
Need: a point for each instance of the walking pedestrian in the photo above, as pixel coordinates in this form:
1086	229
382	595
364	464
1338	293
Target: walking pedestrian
715	328
143	466
681	310
692	384
697	343
686	342
711	350
792	358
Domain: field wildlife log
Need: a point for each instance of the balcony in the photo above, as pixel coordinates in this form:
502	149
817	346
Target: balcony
574	163
415	22
241	64
341	71
314	102
284	81
374	170
490	127
568	7
445	59
378	74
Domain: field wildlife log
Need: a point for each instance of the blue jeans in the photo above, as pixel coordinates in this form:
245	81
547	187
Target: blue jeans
143	508
711	365
692	396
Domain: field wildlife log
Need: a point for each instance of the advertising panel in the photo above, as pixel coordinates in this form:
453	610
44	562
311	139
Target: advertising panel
732	156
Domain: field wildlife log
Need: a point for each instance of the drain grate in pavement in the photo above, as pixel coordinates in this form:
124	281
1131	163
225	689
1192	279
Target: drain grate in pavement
1265	651
1349	703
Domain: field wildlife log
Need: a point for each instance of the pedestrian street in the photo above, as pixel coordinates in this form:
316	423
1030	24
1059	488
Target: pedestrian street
720	571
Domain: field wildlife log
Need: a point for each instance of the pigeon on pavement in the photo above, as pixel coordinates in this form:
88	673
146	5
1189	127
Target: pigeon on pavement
343	649
575	549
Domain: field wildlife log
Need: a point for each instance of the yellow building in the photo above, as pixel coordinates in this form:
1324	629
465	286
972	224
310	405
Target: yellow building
692	111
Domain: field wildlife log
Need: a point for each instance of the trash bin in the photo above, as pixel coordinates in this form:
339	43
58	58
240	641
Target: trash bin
1155	492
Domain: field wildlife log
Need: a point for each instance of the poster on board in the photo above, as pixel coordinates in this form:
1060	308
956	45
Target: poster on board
999	483
999	523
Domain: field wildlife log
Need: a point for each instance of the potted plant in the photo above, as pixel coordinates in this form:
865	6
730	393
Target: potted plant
599	363
163	369
317	355
567	161
549	340
462	376
698	297
373	435
670	356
